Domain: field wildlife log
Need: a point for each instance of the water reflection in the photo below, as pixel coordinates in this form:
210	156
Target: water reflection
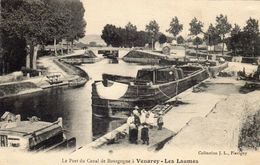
101	125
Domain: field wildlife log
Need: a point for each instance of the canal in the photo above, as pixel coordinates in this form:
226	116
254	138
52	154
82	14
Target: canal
73	105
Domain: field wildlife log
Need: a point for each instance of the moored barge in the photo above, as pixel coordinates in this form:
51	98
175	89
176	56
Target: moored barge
116	96
32	134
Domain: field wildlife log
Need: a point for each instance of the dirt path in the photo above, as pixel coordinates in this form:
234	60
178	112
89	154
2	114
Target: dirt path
220	129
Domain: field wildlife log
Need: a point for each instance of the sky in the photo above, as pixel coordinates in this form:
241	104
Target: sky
98	13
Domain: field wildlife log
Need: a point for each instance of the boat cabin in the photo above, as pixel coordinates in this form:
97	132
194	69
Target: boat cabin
159	75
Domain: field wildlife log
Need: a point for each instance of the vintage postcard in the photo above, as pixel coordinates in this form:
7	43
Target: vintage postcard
129	82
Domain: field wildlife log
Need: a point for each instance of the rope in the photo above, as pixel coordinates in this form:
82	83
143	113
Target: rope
164	93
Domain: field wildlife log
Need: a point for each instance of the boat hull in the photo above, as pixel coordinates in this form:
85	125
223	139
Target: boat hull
143	96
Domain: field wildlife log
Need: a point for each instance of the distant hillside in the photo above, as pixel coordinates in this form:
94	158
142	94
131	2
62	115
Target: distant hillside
93	38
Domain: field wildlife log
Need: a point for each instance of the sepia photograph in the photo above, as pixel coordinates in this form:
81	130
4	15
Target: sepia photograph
129	82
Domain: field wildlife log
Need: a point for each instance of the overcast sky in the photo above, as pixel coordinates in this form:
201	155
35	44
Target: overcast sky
140	12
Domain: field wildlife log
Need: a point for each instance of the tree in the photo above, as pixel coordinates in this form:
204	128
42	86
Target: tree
162	39
195	26
235	30
152	28
75	27
195	29
252	31
28	21
197	41
57	24
112	35
12	47
130	27
142	38
234	40
212	37
131	34
223	27
37	22
175	27
180	40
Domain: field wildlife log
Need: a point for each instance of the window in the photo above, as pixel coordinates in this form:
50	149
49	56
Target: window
145	76
3	141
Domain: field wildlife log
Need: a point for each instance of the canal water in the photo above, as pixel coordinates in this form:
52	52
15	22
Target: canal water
73	105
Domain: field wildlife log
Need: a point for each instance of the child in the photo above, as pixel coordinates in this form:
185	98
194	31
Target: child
160	121
145	134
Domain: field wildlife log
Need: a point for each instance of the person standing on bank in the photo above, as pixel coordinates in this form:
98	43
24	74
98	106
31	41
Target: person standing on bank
137	124
143	117
160	121
131	125
145	134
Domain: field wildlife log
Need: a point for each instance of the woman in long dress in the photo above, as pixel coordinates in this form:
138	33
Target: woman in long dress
131	126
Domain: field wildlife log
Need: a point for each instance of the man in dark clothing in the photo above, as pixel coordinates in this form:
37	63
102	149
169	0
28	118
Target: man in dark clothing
133	122
135	130
145	134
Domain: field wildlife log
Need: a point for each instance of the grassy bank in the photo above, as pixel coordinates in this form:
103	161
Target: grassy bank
16	88
249	138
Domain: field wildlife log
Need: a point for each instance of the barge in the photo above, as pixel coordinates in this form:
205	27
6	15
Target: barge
32	135
116	96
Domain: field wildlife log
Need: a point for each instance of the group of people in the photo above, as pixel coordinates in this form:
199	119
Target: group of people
143	120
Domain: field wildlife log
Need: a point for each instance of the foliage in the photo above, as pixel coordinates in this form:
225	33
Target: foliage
252	31
162	39
110	34
75	27
235	30
124	37
131	34
175	27
197	41
211	36
142	39
152	28
252	27
222	24
29	71
223	27
195	27
234	42
36	23
180	40
245	42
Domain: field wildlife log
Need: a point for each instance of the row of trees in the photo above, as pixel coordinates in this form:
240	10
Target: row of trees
125	37
245	41
27	25
129	36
